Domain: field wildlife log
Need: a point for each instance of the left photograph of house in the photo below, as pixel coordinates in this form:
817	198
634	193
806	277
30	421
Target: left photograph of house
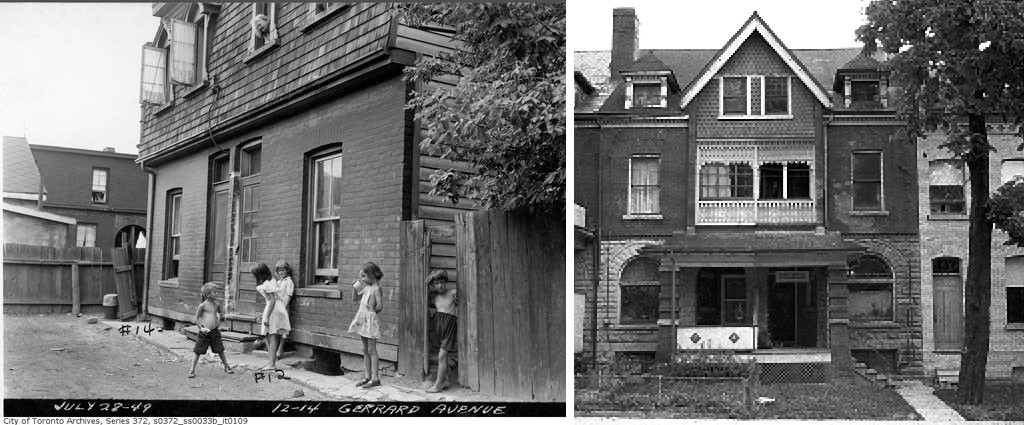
299	221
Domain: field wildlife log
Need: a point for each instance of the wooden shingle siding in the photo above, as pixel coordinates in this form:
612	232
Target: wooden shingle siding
302	59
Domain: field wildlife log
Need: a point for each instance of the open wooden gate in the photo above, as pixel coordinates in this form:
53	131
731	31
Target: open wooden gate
126	300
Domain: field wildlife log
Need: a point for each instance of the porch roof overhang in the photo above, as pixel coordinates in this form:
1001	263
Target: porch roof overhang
755	250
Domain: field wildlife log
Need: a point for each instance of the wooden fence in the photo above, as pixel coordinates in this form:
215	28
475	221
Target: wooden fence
511	282
41	279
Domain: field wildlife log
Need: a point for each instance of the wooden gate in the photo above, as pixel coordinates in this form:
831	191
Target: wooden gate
424	248
126	300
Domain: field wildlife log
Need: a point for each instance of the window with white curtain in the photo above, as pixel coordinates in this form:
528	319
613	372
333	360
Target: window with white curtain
644	189
946	189
86	235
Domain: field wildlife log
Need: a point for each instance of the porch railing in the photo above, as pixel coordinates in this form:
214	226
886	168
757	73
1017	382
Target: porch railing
742	212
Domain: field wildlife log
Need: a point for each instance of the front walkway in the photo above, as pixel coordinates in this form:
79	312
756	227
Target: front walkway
930	407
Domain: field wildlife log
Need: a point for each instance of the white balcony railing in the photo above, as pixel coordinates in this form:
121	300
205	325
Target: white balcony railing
776	211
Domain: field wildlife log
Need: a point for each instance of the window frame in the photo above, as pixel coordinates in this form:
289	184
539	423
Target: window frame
1002	167
643	286
734	184
722	96
315	17
272	40
933	203
248	249
632	209
313	232
880	181
889	279
726	300
106	185
789	96
1017	286
79	239
172	261
657	97
876	98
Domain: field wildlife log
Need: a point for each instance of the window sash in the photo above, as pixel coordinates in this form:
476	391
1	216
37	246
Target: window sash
184	49
946	266
776	95
173	254
734	95
1011	168
799	181
646	95
327	188
720	181
250	223
864	91
270	11
947	199
1015	304
644	189
86	235
866	176
153	88
639	303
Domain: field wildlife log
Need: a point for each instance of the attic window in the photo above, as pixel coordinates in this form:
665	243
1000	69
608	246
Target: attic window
864	91
647	95
734	96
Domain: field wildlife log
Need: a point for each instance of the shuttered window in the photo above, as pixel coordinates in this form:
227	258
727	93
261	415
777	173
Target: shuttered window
154	75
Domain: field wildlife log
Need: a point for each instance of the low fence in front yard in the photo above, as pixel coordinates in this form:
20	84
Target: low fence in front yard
666	396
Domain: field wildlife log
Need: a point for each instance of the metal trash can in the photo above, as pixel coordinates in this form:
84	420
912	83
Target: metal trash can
110	306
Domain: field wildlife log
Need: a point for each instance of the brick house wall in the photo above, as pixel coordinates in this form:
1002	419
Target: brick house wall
945	236
67	175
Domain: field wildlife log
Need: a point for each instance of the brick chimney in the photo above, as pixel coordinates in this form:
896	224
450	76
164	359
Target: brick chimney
625	39
108	149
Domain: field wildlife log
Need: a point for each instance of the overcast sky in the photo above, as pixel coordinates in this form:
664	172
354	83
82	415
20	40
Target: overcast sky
708	24
69	73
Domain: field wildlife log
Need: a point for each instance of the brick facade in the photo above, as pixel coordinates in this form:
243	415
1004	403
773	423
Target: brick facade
945	236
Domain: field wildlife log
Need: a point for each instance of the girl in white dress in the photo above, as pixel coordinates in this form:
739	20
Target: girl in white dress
274	318
366	324
283	273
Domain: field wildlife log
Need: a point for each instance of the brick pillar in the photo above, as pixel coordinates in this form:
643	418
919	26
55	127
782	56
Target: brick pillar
839	320
625	40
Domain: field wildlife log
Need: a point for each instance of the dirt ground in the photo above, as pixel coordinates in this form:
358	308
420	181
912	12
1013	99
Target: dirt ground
61	356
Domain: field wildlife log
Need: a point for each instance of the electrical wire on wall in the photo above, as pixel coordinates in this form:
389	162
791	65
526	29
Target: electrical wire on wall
209	112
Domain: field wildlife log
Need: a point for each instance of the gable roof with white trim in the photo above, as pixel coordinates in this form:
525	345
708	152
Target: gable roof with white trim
754	23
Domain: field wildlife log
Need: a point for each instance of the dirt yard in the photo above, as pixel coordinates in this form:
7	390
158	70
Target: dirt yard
61	356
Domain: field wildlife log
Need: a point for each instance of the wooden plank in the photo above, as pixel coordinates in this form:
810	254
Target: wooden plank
123	280
504	353
469	353
518	257
485	311
413	316
537	256
557	287
76	291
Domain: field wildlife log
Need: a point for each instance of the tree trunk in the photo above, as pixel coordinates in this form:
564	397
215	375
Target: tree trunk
978	288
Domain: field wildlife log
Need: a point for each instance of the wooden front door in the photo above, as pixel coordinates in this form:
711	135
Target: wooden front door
782	311
217	234
948	312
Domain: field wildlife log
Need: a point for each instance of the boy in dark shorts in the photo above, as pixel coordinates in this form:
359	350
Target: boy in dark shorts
445	300
208	317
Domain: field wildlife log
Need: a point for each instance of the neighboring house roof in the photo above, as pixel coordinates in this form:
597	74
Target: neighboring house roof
21	176
39	214
584	84
754	23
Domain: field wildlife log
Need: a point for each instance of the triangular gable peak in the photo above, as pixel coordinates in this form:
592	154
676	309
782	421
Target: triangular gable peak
755	23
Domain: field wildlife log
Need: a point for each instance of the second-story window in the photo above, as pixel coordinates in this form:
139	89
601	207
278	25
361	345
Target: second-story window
864	91
317	12
263	31
1014	275
946	189
644	190
734	96
189	49
867	180
1011	168
723	181
776	96
99	186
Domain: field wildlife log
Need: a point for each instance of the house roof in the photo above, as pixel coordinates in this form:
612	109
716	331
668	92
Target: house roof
32	212
754	23
20	172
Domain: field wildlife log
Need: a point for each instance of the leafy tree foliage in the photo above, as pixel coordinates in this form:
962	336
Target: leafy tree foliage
960	63
506	113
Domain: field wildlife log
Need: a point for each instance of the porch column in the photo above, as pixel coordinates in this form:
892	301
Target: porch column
839	320
685	278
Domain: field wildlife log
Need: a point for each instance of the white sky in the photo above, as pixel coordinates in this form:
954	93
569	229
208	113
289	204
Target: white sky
708	24
69	73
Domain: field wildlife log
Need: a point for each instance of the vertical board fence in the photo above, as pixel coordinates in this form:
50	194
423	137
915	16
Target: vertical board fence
511	305
42	279
511	315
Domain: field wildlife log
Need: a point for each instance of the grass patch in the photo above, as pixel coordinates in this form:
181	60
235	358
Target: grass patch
1003	402
842	399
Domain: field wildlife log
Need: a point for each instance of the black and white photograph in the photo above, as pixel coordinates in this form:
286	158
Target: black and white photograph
284	209
798	210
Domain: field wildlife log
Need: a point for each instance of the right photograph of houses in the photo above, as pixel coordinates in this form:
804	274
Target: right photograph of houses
758	213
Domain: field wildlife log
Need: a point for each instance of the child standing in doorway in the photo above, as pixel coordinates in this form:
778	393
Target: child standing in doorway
208	317
366	324
445	323
283	273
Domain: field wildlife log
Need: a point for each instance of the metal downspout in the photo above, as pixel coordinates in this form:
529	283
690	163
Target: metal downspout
149	239
597	255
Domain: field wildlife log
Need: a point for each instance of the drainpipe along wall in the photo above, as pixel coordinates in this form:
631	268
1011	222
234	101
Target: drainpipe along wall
149	238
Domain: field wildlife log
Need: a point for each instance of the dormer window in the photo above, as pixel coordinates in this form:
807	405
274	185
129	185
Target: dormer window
864	91
755	97
646	92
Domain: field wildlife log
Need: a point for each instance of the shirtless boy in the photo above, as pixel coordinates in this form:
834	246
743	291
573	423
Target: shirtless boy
208	317
445	322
